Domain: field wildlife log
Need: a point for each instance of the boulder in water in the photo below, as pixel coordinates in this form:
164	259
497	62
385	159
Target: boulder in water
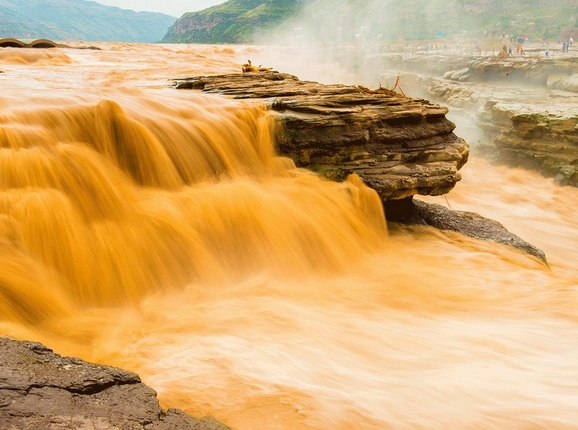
417	212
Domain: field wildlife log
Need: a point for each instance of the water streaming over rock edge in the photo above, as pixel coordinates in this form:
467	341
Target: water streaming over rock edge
157	231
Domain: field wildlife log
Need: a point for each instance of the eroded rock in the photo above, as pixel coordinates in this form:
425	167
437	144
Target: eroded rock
399	146
533	138
43	390
529	126
417	212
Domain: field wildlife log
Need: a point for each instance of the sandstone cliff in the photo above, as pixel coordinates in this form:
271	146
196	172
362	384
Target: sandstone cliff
399	146
536	139
525	105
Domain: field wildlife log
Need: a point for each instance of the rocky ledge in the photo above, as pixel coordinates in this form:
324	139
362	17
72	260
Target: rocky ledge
42	390
534	68
530	126
541	71
399	146
529	136
418	212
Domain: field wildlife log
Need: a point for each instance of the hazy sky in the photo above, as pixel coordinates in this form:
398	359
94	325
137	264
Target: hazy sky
170	7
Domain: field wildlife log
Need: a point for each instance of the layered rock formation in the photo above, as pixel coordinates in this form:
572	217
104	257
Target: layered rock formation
525	106
42	390
537	139
399	146
534	68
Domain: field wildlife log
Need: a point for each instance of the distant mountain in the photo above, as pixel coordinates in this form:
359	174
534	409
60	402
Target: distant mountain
247	21
235	21
79	20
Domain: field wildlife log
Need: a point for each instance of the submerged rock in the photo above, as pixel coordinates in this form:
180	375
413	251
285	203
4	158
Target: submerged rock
417	212
399	146
43	390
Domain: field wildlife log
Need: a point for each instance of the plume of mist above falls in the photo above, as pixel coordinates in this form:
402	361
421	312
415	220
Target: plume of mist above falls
328	34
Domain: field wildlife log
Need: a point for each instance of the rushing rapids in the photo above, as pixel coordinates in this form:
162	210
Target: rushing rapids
157	231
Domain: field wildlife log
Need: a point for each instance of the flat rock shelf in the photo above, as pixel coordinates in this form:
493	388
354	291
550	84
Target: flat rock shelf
398	146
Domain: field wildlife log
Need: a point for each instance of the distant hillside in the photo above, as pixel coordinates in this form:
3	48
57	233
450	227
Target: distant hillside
426	19
236	21
79	20
247	21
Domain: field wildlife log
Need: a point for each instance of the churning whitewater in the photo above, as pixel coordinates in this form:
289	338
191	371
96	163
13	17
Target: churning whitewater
157	231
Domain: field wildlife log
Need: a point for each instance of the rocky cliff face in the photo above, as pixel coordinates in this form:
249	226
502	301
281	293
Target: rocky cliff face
399	146
536	139
197	28
525	105
42	390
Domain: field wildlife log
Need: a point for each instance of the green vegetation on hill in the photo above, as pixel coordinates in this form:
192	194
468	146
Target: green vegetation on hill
247	21
236	21
79	20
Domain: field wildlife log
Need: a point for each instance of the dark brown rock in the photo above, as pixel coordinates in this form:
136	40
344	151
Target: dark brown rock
417	212
43	390
399	146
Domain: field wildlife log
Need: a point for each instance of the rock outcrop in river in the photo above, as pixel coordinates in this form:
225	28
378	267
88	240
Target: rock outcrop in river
399	146
536	139
42	390
525	104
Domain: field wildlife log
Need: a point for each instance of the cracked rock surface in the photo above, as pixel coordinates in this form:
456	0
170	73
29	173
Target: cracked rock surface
40	389
399	146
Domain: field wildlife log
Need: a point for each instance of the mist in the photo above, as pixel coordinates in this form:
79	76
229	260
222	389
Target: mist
356	37
330	41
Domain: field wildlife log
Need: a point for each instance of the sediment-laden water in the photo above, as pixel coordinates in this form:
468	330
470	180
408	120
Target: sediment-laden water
156	230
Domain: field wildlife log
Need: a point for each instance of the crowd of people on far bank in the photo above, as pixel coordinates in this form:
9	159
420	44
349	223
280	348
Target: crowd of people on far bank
489	44
508	41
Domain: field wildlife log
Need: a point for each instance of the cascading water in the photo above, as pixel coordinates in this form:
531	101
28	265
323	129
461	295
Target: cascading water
157	230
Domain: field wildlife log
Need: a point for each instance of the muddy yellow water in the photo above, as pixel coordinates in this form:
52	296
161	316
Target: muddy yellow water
157	230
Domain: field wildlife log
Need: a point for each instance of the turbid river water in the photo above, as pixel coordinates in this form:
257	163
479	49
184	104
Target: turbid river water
156	230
